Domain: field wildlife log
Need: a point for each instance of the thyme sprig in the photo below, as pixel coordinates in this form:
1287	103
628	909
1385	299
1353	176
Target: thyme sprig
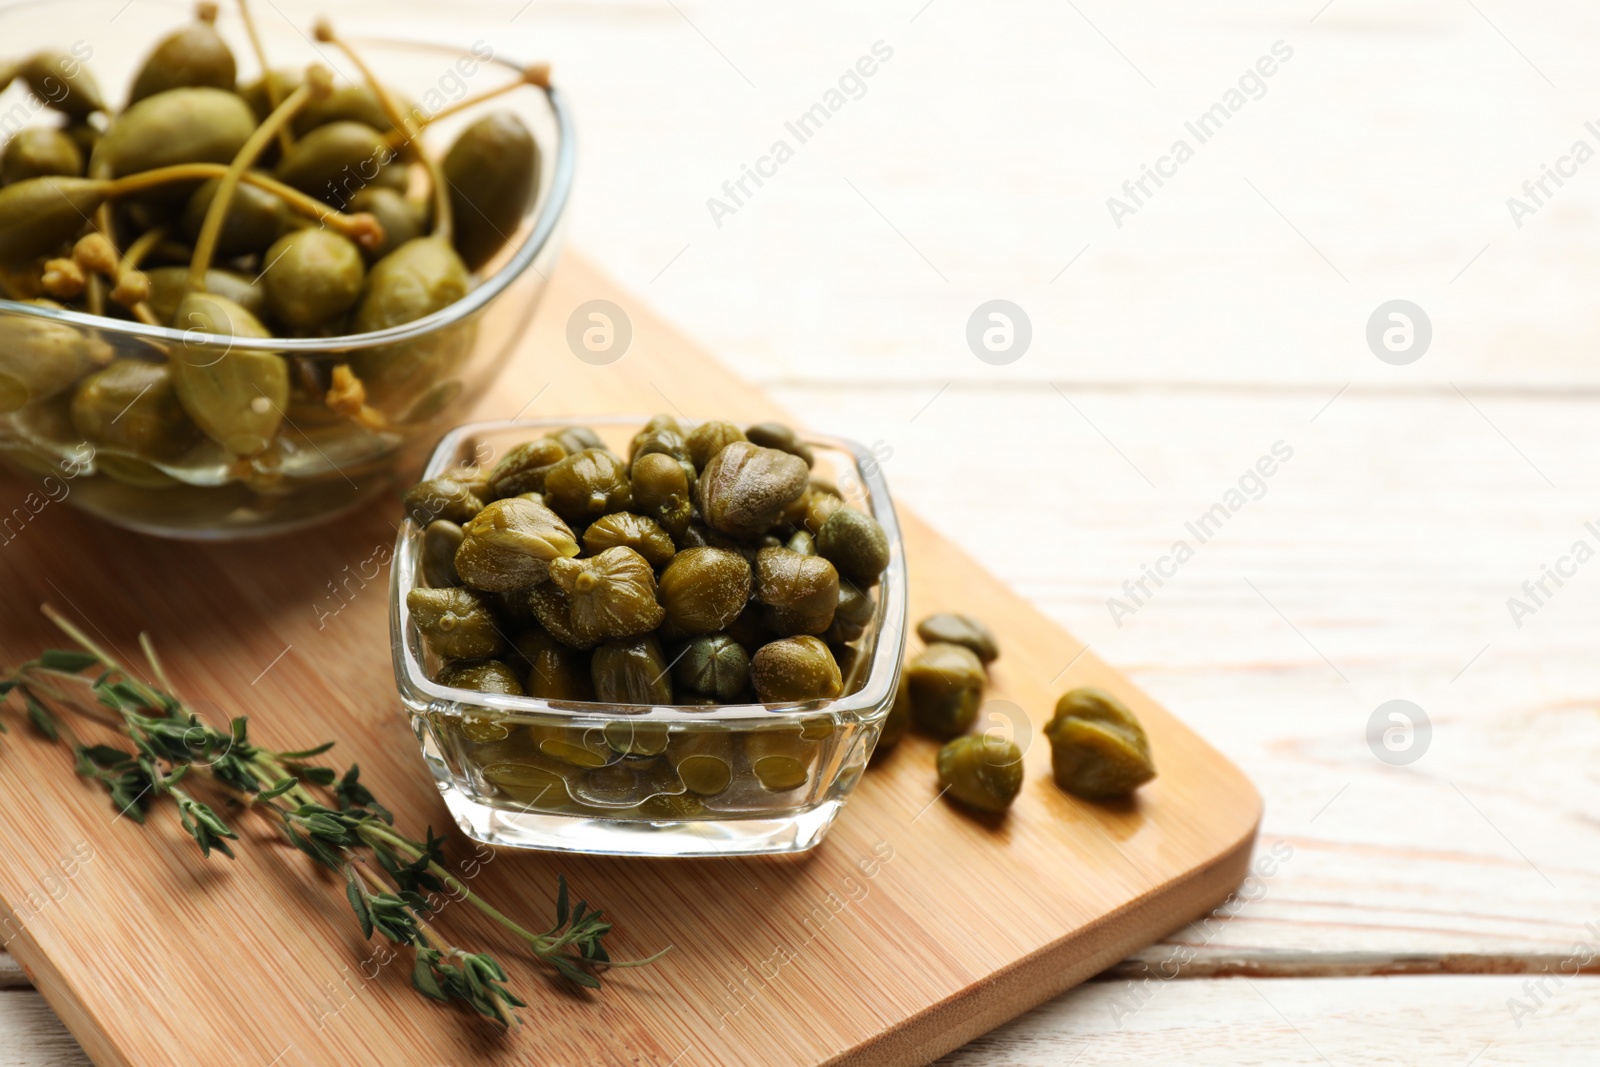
394	883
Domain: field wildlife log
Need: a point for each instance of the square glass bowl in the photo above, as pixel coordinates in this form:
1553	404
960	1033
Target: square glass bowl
627	780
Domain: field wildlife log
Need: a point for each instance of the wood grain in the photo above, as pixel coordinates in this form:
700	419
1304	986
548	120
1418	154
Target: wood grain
911	930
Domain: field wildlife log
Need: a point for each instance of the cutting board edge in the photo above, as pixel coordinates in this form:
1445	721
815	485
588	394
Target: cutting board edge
1024	985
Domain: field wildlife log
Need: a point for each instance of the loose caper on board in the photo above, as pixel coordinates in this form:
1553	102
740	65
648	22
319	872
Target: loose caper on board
1098	749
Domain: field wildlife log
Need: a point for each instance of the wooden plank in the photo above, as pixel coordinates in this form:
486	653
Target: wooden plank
965	925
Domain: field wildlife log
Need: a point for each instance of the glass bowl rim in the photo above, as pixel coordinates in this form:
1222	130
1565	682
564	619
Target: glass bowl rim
545	224
872	700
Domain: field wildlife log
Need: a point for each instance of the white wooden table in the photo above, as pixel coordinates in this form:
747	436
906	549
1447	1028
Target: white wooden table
1421	906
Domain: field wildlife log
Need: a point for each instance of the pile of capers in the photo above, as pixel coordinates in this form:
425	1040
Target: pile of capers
1099	750
706	566
289	206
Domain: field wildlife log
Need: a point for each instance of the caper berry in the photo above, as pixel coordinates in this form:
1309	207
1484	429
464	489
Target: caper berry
587	485
37	151
509	544
854	542
623	529
131	405
1098	749
794	668
745	487
714	666
456	623
612	595
523	469
981	771
802	591
631	671
783	438
312	277
946	683
704	589
963	630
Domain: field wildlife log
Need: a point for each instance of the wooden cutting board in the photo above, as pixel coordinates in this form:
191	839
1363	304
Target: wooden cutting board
911	930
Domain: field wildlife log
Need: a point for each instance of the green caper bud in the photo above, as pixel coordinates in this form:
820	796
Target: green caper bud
898	721
661	491
177	126
612	595
522	470
1098	749
946	683
39	359
802	591
254	219
802	542
851	616
456	623
64	83
440	540
509	545
781	759
193	56
553	611
484	676
313	277
709	438
964	630
493	171
37	151
555	672
576	438
169	285
444	497
577	746
794	668
981	771
587	485
131	405
632	671
704	589
746	487
236	396
783	438
39	215
854	542
335	161
819	508
400	219
703	760
634	738
624	529
715	666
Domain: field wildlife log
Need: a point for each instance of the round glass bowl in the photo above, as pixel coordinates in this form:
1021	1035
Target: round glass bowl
419	375
616	779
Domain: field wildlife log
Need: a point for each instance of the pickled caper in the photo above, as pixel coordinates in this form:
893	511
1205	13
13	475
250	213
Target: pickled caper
196	55
587	485
456	623
62	81
854	542
946	684
715	666
703	760
709	438
801	542
633	737
528	776
576	438
783	438
235	395
522	470
623	529
612	595
704	589
402	220
39	215
660	489
953	629
335	161
493	171
37	151
255	218
555	672
440	539
578	746
781	759
312	277
553	611
444	497
631	671
169	285
1098	749
745	487
484	676
509	545
198	125
981	771
851	617
802	591
794	668
131	404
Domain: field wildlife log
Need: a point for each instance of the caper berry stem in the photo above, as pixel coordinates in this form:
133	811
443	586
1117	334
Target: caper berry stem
319	82
268	85
537	74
